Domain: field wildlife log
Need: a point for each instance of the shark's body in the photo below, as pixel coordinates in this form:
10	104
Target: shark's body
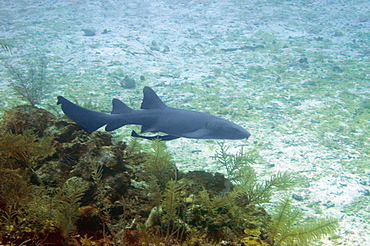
155	116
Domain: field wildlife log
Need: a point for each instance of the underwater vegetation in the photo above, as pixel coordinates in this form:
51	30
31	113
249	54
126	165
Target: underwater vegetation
250	190
286	226
30	82
62	186
159	166
24	150
234	163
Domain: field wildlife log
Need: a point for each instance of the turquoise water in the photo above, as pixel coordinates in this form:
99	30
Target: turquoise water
293	73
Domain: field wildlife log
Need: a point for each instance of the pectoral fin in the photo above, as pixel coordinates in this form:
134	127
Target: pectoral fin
163	138
199	134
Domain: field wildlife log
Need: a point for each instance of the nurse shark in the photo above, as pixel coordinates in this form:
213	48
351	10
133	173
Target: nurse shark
155	116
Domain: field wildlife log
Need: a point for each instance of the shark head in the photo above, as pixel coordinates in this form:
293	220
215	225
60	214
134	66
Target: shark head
223	129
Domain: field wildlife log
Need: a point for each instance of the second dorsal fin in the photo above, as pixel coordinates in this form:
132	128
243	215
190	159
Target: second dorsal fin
119	107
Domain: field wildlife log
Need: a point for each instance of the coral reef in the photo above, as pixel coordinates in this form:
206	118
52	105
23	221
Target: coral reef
63	186
26	117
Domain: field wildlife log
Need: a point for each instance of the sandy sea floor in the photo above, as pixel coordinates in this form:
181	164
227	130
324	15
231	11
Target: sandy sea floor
296	74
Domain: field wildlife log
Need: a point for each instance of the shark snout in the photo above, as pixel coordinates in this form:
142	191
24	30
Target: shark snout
246	134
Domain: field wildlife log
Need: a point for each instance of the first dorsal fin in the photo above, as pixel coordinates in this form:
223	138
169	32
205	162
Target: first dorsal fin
119	107
151	100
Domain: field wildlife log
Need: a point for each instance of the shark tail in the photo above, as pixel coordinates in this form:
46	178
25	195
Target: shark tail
88	119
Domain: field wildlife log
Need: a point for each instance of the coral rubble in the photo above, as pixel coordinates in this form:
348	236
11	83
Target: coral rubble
63	186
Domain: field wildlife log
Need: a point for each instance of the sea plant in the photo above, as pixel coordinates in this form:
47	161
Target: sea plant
171	204
249	190
69	201
166	215
287	227
30	83
159	164
234	163
27	211
24	150
13	186
133	147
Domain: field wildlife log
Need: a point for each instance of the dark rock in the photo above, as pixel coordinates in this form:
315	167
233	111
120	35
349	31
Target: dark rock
128	83
303	60
213	183
89	32
297	197
166	49
105	31
337	69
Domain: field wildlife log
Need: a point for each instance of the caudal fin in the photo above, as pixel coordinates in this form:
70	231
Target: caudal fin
88	119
